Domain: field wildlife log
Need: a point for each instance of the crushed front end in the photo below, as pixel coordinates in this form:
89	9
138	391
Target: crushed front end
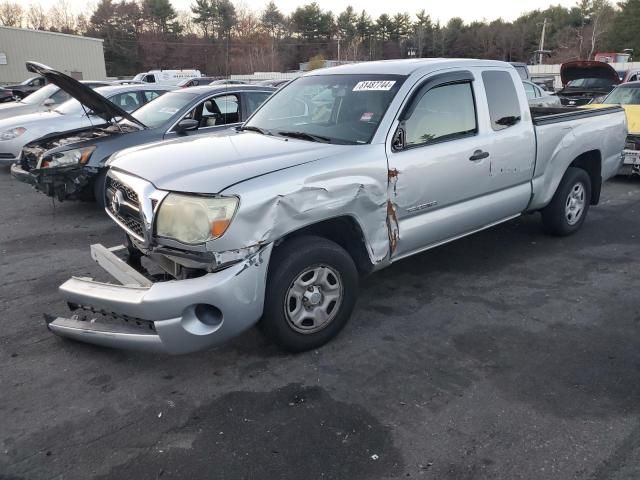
200	299
58	172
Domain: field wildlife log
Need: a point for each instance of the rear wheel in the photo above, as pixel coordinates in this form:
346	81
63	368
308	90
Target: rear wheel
311	291
570	204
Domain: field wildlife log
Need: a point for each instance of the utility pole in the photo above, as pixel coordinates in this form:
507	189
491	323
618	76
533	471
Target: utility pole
338	49
544	31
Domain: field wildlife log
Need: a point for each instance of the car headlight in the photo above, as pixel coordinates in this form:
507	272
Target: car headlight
11	134
192	219
78	156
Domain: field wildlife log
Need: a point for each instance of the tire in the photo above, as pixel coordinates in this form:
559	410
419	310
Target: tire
570	204
312	286
99	188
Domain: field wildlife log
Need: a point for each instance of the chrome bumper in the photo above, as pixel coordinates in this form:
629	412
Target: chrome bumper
176	316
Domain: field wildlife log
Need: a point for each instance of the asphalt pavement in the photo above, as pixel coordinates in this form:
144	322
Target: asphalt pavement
505	355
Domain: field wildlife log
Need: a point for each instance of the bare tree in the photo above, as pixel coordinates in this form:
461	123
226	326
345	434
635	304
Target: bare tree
11	14
185	19
36	17
62	18
601	17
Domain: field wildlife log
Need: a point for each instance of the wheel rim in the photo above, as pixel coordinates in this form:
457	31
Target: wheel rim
313	299
574	206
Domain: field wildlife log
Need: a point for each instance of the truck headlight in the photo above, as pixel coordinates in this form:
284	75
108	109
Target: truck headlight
192	219
12	133
78	156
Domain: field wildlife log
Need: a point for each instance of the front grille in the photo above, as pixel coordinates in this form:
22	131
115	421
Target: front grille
7	156
132	224
632	143
129	194
127	212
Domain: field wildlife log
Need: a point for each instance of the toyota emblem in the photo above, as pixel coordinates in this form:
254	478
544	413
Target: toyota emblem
116	201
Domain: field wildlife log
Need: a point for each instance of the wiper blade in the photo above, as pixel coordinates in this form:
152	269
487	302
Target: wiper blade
306	136
251	128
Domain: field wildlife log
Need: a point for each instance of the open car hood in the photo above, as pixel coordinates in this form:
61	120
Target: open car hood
85	95
587	69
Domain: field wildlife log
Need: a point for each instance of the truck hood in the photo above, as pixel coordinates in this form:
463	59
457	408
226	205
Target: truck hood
85	95
211	163
587	69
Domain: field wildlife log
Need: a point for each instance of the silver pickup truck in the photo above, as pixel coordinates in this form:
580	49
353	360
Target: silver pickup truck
342	172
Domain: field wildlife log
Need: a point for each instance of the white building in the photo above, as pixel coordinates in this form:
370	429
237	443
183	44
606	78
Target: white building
79	57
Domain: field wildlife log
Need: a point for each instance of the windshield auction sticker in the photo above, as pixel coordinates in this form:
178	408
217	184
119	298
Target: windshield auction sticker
372	85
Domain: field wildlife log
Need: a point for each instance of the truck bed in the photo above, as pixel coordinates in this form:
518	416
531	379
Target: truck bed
549	115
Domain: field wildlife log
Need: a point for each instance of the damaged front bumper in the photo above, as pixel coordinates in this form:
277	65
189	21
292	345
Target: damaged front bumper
61	183
175	317
21	174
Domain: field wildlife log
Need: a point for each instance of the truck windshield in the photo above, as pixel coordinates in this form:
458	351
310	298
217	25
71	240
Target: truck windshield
624	96
342	109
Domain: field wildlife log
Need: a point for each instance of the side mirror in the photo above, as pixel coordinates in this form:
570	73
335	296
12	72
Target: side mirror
49	102
186	125
398	142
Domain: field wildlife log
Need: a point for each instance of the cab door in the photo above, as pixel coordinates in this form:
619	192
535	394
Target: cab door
442	160
438	163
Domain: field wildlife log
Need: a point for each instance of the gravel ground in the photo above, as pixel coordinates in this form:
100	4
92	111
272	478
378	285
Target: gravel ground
505	355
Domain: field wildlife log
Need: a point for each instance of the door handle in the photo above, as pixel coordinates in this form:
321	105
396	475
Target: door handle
478	155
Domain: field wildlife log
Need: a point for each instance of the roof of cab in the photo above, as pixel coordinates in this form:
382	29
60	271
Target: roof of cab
406	66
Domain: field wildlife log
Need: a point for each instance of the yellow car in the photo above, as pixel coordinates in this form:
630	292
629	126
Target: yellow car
627	96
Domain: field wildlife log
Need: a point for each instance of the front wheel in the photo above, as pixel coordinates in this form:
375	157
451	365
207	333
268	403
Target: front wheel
569	206
312	288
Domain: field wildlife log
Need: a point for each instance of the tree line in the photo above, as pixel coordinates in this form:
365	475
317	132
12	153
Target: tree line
219	38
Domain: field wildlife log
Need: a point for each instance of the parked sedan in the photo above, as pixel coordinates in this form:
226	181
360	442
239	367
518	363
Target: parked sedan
43	100
538	97
16	132
27	87
72	166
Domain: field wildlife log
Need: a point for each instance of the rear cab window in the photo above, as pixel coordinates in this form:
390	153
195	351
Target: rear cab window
502	99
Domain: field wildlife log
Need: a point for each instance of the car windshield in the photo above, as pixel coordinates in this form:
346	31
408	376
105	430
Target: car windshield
342	109
39	96
162	109
624	96
600	83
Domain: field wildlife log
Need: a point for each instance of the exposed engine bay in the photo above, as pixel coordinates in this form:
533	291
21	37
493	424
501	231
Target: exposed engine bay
34	151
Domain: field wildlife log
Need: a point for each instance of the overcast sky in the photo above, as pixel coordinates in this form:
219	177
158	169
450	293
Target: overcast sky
441	10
